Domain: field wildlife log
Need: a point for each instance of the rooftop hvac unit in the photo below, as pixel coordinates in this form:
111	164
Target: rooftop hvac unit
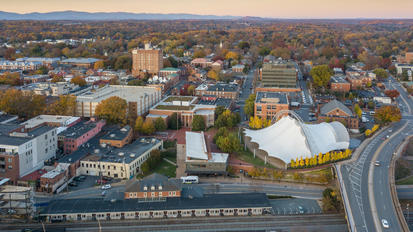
96	151
132	155
112	135
121	154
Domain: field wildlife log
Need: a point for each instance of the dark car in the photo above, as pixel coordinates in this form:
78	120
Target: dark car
73	184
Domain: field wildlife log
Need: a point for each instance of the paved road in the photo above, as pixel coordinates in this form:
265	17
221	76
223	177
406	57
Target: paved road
116	192
367	186
246	91
256	223
280	190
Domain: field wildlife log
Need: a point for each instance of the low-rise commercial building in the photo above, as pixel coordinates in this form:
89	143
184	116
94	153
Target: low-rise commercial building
19	65
50	89
79	134
185	107
219	90
80	62
118	137
139	99
338	83
279	74
199	160
154	187
122	163
268	104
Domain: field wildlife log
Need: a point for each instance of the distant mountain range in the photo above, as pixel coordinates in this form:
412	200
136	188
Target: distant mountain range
78	15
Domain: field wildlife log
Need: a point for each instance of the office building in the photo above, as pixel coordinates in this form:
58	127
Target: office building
280	74
268	104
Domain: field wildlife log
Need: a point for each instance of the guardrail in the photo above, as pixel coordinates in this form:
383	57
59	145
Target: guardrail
393	190
350	220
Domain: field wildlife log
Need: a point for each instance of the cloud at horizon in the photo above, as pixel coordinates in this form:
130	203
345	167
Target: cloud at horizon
260	8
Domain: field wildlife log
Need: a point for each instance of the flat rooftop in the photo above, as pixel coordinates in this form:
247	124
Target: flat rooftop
117	133
78	129
126	154
129	93
339	79
208	201
271	97
62	120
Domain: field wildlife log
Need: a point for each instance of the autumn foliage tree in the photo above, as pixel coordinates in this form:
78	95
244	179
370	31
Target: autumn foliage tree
392	93
23	104
78	81
66	105
387	114
112	109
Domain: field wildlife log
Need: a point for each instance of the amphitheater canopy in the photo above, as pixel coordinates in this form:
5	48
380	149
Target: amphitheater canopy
290	139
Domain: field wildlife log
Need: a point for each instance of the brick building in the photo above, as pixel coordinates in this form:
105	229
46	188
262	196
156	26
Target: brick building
79	134
268	104
154	187
220	90
337	111
118	137
147	60
338	83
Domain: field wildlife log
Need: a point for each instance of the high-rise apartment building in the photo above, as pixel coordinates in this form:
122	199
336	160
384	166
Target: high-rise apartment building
280	74
146	60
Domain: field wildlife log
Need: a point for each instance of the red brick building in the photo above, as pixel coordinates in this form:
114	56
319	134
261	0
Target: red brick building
337	111
338	83
154	187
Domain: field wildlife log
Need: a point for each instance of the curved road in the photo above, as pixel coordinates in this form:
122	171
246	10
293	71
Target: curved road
367	185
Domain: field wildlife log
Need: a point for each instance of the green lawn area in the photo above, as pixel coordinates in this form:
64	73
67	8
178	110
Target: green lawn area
169	154
163	168
407	181
175	98
173	107
248	157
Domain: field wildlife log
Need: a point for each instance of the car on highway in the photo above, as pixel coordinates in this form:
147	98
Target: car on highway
385	223
377	163
106	186
300	209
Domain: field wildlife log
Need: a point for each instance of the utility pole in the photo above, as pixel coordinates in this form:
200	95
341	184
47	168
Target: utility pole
408	214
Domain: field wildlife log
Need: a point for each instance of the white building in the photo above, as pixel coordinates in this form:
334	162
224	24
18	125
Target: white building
139	98
24	150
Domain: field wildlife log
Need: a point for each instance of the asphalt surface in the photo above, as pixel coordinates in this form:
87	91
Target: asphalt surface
319	223
116	192
295	206
246	91
367	185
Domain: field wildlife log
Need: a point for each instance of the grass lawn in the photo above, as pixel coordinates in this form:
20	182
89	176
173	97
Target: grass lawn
169	154
248	157
407	181
166	169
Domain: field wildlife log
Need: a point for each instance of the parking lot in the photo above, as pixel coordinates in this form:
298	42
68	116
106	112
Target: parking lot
295	206
87	182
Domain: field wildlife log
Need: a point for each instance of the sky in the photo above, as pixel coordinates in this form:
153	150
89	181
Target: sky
261	8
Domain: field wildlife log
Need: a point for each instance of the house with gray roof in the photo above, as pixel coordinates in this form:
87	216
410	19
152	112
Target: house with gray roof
337	111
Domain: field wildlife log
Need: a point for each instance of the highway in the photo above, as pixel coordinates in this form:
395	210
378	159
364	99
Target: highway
366	185
319	223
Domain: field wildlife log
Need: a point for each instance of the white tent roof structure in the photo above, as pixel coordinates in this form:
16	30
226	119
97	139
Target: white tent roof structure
289	138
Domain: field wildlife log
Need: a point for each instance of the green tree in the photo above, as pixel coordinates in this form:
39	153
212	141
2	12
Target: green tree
358	110
174	122
381	74
139	124
123	62
321	75
160	124
112	109
199	54
198	123
249	105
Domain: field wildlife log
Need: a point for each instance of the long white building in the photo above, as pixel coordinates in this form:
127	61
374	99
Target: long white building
139	98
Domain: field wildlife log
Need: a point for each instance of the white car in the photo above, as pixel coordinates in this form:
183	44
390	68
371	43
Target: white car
107	186
377	163
385	223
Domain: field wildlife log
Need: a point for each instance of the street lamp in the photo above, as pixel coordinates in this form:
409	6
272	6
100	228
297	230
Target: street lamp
408	214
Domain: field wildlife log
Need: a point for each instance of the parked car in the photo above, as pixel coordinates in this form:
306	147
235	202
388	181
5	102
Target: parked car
99	181
107	178
107	186
104	193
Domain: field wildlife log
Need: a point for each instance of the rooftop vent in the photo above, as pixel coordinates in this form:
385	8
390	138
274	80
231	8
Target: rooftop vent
132	155
112	135
121	154
96	151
